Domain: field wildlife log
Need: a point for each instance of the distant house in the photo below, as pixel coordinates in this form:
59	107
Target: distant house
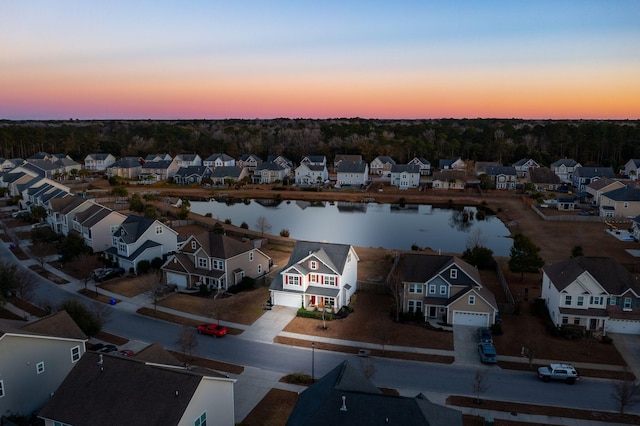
317	275
36	358
480	167
543	179
355	158
405	176
104	390
282	160
223	175
631	168
445	288
583	176
62	211
98	162
423	164
504	177
250	161
139	238
311	174
381	165
601	186
523	165
621	202
127	167
219	160
216	261
314	159
159	170
566	202
345	396
158	157
594	293
187	160
270	173
10	164
191	175
352	174
452	163
565	168
449	179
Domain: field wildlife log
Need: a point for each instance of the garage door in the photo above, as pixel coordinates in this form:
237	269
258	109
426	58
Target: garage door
477	319
622	326
286	299
177	279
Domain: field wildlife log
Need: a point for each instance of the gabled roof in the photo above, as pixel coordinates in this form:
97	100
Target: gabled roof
66	162
191	171
612	276
590	172
446	175
279	159
57	193
602	183
313	167
419	160
160	164
59	324
568	162
43	164
543	175
408	168
332	255
636	162
157	354
97	156
121	391
623	194
423	267
86	214
12	177
314	158
134	227
348	157
157	157
385	159
221	246
247	157
186	157
226	171
321	403
126	163
352	167
221	157
500	170
522	162
270	166
41	155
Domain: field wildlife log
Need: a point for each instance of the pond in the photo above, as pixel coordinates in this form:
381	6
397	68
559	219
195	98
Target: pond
390	226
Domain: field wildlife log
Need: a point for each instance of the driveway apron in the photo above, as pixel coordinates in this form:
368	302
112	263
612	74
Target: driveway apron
465	346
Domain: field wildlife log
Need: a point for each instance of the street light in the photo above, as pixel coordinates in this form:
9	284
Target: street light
313	362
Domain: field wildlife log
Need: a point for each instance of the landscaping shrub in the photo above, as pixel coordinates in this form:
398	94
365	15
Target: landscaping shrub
571	333
298	379
204	289
144	266
304	313
284	233
246	284
156	263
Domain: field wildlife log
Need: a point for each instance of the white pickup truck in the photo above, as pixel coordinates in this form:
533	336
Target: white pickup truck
564	372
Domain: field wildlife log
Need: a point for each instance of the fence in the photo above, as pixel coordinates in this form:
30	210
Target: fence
579	218
510	306
371	287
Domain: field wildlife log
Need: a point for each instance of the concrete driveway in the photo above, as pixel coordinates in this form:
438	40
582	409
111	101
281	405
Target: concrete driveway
629	347
465	345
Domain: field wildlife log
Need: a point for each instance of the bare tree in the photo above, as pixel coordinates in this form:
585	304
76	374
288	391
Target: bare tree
187	340
83	265
367	367
479	384
26	288
150	284
219	309
38	250
263	225
626	392
102	312
382	329
395	286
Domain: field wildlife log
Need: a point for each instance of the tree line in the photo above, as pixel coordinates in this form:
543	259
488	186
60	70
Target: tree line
590	142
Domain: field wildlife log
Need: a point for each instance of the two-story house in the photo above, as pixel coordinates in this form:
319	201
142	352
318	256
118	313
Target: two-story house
352	174
35	359
269	172
449	179
159	170
595	293
226	175
192	175
311	174
105	389
452	163
249	161
631	168
62	211
565	168
543	179
318	275
339	158
219	160
127	167
445	288
314	159
96	225
187	160
423	164
158	157
214	260
381	165
405	176
601	186
523	165
139	238
10	164
504	177
621	202
282	160
98	162
583	176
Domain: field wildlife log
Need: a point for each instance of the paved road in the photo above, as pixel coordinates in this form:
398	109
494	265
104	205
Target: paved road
409	377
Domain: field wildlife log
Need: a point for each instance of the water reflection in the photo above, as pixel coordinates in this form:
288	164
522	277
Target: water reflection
392	226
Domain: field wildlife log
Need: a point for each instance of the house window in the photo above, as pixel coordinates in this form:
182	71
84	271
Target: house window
576	321
251	257
159	229
472	300
328	301
40	367
259	268
75	353
415	306
313	278
113	229
193	245
202	420
1	388
432	289
613	300
443	290
565	320
567	299
580	301
627	303
415	288
313	265
330	280
122	247
453	274
293	280
202	262
595	300
625	205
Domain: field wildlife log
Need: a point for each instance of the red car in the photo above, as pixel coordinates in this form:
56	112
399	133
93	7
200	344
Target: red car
215	330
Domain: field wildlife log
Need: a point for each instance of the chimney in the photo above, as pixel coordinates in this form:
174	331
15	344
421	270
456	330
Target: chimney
344	404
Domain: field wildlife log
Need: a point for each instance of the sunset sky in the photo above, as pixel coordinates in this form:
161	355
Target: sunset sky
263	59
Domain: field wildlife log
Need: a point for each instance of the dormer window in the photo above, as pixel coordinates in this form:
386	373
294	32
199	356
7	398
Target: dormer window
453	274
313	265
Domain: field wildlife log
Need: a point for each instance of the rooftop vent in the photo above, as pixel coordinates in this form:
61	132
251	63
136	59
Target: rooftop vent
344	404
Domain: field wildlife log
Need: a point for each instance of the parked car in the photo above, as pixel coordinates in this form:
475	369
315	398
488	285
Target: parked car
107	349
20	214
564	372
215	330
484	335
487	353
124	352
104	274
